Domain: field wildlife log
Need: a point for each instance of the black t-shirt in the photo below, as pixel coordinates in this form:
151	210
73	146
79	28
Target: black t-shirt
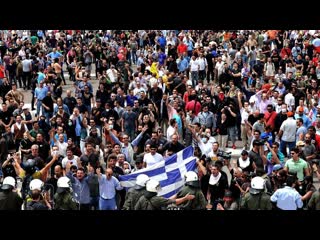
49	103
5	116
86	98
252	119
256	158
93	159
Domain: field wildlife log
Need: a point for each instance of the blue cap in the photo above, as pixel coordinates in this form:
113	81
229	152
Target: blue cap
277	167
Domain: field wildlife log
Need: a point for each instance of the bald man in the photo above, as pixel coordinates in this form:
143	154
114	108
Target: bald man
108	185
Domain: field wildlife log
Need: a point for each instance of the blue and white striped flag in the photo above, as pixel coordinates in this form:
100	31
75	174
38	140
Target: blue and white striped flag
170	172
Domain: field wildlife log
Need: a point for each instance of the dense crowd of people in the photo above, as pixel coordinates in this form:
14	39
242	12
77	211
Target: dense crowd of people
159	92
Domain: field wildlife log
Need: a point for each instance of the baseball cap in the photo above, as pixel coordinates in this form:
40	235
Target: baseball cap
300	109
276	167
290	114
300	143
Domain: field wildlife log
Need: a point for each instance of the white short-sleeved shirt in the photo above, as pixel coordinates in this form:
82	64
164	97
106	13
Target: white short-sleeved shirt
289	128
150	159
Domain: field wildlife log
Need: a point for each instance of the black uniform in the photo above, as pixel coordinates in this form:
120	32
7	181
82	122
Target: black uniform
10	200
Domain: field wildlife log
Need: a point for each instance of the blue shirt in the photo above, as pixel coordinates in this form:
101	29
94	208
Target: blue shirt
306	121
78	125
53	55
130	100
108	188
41	76
287	198
183	65
125	149
81	190
41	93
269	163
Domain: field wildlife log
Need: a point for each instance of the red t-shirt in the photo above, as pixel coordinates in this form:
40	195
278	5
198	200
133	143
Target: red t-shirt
190	106
182	48
2	75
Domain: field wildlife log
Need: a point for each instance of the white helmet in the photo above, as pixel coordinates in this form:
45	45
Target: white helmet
191	176
36	184
153	186
64	182
8	182
257	185
142	179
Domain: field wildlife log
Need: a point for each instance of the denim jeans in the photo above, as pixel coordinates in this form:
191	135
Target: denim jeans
283	147
107	204
39	106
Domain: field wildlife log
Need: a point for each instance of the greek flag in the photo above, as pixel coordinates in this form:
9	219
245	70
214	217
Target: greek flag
170	172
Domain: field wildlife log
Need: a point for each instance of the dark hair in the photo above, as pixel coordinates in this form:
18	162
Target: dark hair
112	156
300	120
258	131
218	164
291	179
312	128
295	149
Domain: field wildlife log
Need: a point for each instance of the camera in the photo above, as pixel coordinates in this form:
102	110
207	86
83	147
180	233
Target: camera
262	141
224	155
145	110
238	180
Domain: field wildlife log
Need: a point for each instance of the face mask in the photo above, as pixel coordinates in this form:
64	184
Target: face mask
111	126
301	114
204	140
70	123
283	110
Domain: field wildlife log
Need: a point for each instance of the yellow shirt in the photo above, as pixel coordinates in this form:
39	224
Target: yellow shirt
154	69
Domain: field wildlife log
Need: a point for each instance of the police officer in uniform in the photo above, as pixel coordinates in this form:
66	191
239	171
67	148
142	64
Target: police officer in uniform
256	198
135	192
63	198
192	186
36	200
9	199
150	201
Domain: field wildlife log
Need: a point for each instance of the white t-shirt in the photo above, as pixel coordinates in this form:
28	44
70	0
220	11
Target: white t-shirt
150	159
289	128
170	131
72	161
62	148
